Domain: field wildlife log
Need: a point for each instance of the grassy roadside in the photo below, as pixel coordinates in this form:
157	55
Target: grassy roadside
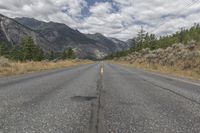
8	67
161	69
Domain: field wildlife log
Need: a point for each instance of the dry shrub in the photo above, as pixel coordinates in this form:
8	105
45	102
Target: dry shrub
178	59
4	62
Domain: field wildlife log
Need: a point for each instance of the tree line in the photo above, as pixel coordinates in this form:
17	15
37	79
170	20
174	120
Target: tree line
148	40
29	51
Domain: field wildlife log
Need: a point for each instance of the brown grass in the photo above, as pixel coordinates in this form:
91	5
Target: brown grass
13	68
191	74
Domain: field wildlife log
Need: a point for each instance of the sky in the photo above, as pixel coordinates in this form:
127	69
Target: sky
121	19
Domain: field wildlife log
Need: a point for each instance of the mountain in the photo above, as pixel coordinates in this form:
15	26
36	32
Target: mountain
12	33
57	37
64	36
56	33
110	43
131	42
120	45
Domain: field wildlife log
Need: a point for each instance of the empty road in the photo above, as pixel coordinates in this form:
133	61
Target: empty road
83	100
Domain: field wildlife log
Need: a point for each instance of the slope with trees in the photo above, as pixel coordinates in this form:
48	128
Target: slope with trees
147	40
29	51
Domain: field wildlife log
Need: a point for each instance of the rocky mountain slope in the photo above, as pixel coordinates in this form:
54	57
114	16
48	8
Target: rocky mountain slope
112	44
12	33
61	36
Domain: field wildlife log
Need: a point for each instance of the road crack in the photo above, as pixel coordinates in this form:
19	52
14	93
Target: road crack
95	120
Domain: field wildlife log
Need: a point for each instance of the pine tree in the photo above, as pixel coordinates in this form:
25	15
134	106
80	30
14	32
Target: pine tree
16	54
70	53
27	48
52	55
39	54
152	43
140	39
2	49
31	51
64	54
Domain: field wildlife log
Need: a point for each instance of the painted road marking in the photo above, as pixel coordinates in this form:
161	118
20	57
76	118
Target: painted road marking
101	70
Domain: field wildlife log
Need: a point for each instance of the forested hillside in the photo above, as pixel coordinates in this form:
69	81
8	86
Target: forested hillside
147	40
29	51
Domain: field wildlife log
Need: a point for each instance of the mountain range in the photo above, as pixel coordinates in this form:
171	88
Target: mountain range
51	36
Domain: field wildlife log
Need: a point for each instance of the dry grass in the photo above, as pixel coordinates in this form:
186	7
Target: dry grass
191	74
179	59
12	68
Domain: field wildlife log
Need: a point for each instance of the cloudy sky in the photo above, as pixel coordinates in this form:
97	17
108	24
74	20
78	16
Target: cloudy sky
114	18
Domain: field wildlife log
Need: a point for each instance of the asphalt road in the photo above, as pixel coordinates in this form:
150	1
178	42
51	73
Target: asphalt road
81	100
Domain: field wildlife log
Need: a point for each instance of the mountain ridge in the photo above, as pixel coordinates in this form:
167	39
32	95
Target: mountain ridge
13	32
57	37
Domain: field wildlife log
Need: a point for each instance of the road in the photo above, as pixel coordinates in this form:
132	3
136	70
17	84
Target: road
81	100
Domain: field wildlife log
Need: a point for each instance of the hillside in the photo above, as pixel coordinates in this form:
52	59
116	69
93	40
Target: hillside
148	40
179	59
62	36
178	53
56	37
12	33
112	44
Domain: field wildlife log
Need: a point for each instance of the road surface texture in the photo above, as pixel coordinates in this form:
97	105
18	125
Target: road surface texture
87	99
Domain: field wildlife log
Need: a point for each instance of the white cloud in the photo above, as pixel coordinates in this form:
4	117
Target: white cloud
100	9
74	7
119	18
